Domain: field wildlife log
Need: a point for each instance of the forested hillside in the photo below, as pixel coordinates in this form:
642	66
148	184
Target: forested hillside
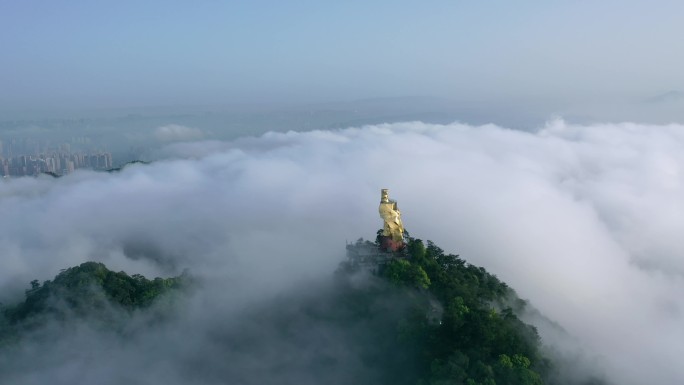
424	318
479	339
89	291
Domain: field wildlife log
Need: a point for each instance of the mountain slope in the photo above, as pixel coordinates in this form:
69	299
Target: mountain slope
424	317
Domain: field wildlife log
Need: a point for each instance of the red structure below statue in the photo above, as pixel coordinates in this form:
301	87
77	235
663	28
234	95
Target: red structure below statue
389	244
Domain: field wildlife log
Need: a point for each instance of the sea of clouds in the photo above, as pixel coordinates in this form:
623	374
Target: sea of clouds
584	221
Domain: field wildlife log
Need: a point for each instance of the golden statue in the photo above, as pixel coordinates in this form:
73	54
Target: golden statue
393	230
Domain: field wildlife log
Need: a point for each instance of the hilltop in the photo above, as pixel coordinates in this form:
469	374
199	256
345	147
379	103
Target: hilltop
89	291
422	316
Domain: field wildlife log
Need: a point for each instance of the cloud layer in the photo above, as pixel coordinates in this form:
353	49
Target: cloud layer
176	133
583	221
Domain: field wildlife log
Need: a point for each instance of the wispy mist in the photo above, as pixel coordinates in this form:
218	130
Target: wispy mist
582	220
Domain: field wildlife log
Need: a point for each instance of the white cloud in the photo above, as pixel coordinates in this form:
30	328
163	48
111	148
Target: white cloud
582	220
177	133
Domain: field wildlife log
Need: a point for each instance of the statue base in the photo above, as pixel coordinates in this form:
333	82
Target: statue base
389	244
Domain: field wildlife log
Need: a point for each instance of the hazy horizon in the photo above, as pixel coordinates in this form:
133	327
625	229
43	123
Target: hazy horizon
558	58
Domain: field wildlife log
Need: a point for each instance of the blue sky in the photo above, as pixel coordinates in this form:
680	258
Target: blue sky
83	54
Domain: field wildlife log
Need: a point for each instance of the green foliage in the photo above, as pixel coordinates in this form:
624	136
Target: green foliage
402	272
86	290
432	319
479	339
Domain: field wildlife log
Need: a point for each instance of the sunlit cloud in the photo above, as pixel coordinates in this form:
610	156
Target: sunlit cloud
583	221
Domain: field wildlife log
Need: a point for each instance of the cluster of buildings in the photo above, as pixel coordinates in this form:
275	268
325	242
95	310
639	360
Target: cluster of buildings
59	163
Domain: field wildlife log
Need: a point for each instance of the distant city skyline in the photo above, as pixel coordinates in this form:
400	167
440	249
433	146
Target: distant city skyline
58	163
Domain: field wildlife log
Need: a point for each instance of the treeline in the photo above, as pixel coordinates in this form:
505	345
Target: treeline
478	338
425	318
89	290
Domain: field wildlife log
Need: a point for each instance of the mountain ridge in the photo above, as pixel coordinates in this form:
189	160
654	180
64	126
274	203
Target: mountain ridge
424	317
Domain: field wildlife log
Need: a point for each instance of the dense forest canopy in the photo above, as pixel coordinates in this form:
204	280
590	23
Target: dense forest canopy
88	291
425	317
474	337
